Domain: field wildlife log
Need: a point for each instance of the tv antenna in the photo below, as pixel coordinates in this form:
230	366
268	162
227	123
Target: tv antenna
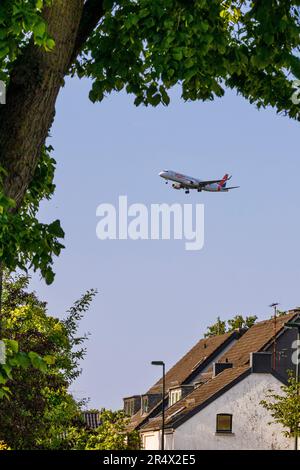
274	305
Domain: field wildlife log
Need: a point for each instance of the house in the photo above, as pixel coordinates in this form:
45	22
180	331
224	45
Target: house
215	404
224	413
180	379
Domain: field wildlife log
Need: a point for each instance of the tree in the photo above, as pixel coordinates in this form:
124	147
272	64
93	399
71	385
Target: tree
4	446
42	414
24	241
237	322
218	328
112	433
285	408
281	313
144	46
41	409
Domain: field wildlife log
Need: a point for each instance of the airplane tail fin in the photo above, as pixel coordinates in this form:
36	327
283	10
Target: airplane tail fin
224	180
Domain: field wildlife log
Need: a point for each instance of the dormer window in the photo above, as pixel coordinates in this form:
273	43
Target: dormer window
129	407
175	396
132	405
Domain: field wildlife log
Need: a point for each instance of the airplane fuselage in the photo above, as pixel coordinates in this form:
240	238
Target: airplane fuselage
188	182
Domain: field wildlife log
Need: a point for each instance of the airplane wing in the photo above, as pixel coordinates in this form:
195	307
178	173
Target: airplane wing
205	183
232	187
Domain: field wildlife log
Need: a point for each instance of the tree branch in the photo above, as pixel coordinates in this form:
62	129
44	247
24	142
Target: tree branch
93	11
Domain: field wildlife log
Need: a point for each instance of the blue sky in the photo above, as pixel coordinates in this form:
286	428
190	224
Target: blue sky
155	298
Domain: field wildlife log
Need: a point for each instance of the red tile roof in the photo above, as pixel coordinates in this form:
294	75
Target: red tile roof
255	339
183	369
185	366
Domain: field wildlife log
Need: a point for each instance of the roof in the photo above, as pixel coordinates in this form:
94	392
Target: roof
198	356
198	398
91	419
137	419
195	357
255	339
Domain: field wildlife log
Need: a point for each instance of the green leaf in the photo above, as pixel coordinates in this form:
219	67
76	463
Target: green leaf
39	29
23	360
55	229
7	370
50	360
3	380
50	44
12	344
49	276
37	361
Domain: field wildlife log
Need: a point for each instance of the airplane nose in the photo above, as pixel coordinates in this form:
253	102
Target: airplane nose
161	173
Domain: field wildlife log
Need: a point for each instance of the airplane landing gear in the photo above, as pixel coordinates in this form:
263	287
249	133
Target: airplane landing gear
187	191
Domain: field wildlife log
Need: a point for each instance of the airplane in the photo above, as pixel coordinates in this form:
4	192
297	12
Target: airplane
188	182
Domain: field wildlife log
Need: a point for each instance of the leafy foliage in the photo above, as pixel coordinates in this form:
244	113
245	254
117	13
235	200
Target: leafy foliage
237	322
285	408
4	446
42	414
149	46
21	20
24	241
112	434
240	322
41	409
17	359
218	328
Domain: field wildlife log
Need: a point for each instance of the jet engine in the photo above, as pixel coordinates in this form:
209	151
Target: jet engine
176	185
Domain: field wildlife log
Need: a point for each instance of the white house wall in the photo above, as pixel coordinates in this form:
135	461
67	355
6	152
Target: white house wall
152	440
250	420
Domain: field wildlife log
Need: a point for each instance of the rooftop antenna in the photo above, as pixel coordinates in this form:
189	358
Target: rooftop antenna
274	306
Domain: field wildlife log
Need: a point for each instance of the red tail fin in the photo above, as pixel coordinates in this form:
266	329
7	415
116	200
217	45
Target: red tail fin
223	180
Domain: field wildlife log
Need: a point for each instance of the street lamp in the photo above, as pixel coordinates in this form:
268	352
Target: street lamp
161	363
293	324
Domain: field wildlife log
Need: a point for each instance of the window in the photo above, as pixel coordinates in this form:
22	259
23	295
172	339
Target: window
145	404
175	396
129	407
224	423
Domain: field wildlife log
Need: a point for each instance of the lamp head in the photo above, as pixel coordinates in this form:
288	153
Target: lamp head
157	363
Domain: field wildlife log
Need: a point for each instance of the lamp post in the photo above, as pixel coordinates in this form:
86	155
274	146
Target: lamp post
161	363
296	325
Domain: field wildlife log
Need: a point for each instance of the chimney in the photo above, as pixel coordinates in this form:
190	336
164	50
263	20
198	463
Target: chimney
261	362
218	367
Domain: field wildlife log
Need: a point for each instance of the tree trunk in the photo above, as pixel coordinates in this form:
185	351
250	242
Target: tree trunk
36	79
